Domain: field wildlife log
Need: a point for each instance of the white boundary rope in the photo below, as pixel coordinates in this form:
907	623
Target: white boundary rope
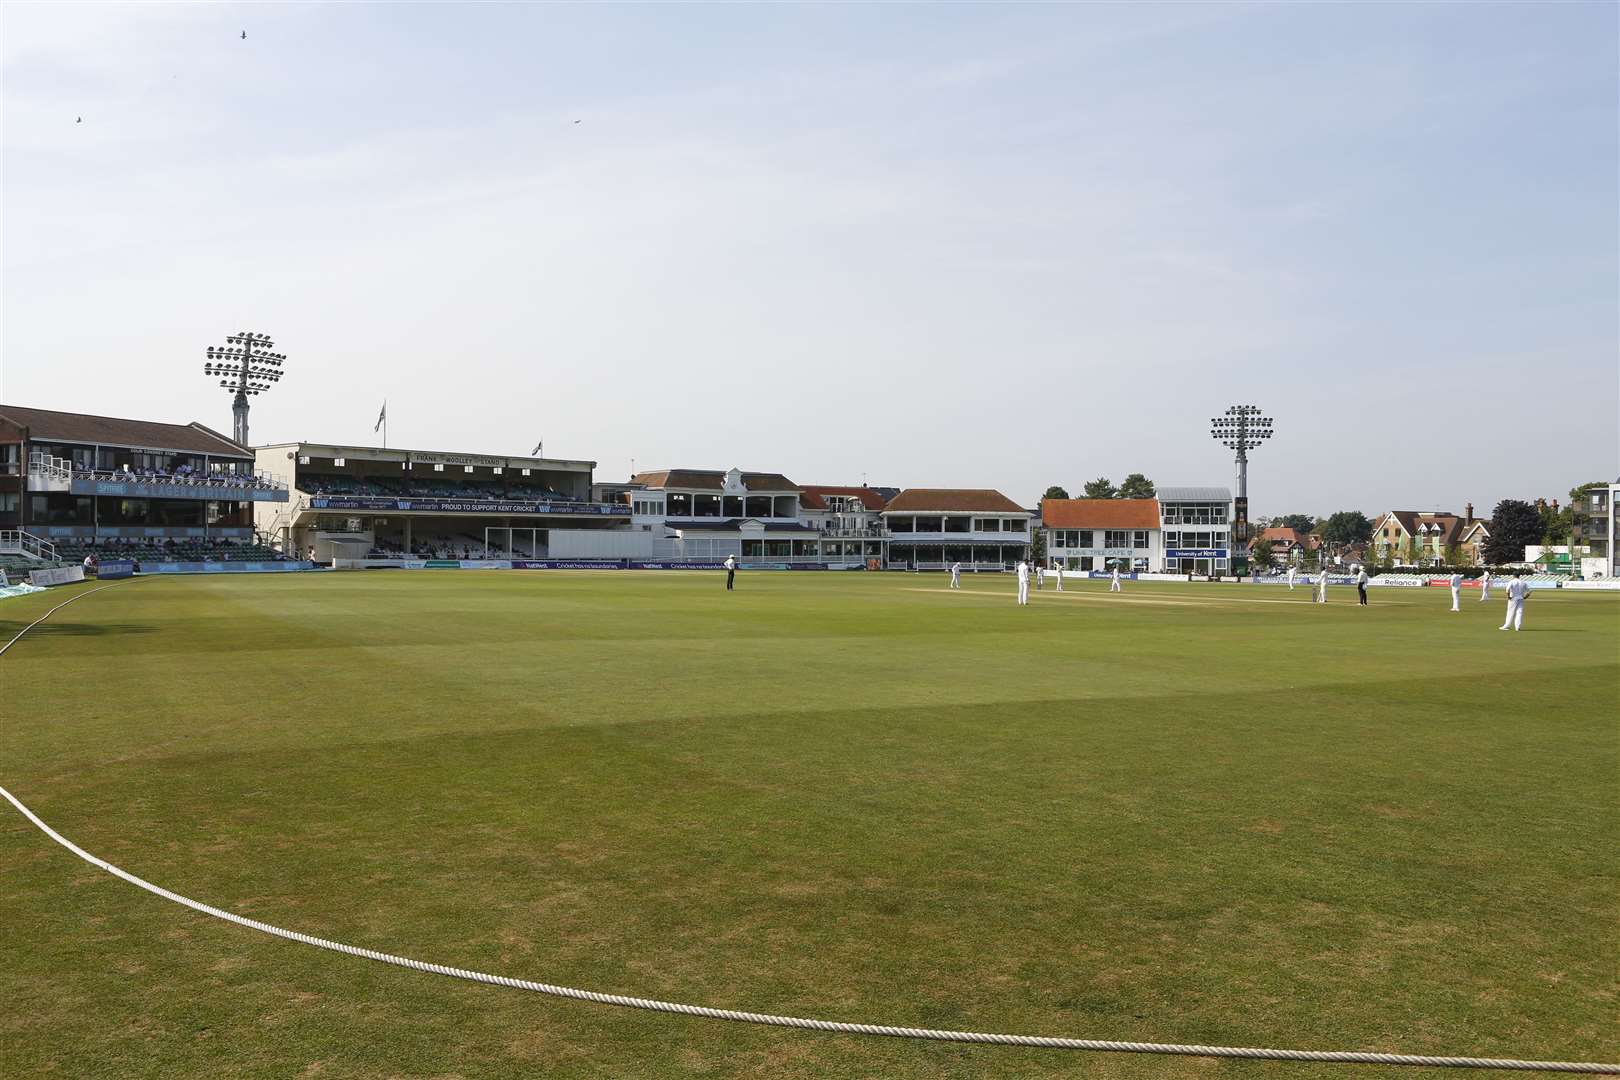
1355	1057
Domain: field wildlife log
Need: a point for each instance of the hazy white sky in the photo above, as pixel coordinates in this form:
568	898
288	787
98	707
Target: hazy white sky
999	245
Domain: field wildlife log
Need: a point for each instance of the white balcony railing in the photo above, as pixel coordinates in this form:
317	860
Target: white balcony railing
47	473
20	542
958	537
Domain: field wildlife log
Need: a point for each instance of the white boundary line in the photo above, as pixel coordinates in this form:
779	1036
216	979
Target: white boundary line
1356	1057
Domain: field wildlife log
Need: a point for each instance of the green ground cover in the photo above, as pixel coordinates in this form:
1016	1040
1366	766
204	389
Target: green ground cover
1185	813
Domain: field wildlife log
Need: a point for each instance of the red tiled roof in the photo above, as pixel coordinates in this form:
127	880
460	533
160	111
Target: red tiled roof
1100	513
957	500
1285	534
814	497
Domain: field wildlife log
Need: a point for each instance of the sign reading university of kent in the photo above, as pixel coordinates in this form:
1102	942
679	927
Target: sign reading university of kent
142	489
1195	553
459	506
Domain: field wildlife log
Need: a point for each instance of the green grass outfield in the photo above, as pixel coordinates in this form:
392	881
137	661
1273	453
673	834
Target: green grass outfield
1187	813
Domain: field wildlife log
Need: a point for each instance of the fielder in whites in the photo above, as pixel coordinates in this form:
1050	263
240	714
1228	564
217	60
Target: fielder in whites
1517	593
1040	577
1321	586
1485	586
1113	584
1290	577
1456	591
1023	582
956	575
1058	570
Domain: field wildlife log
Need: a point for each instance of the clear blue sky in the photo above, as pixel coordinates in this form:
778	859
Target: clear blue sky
960	245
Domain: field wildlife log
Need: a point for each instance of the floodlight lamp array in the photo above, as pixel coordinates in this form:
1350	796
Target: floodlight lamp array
246	363
1241	427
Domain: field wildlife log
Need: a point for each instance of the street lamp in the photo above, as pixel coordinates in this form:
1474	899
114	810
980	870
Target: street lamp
245	365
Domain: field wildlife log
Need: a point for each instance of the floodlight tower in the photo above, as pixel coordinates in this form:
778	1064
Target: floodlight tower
245	365
1242	428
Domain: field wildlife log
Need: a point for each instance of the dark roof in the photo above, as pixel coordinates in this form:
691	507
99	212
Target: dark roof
1450	524
735	525
936	500
814	496
1100	513
712	480
48	425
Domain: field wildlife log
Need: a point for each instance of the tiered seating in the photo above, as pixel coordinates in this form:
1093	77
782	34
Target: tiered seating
427	489
168	551
185	475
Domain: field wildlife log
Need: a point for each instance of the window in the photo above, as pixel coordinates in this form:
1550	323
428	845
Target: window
523	472
439	467
466	468
497	470
1117	538
8	502
1139	538
339	462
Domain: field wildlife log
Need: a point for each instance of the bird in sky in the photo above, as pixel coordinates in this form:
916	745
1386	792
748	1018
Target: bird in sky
244	35
576	121
80	120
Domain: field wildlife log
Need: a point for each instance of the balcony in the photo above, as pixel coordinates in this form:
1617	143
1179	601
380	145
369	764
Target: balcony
870	532
958	537
232	487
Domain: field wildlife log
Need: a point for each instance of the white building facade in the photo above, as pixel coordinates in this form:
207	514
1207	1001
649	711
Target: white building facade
1099	534
1197	530
932	528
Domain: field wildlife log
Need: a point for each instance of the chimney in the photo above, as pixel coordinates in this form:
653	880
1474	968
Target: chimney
1468	514
1541	504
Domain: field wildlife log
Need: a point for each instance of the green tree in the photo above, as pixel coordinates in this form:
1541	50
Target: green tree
1555	524
1347	527
1300	522
1261	556
1056	492
1101	488
1579	494
1515	524
1453	555
1135	486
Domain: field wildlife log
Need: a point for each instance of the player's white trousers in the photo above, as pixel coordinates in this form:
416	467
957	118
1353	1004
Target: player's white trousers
1114	586
1456	599
1023	592
1515	614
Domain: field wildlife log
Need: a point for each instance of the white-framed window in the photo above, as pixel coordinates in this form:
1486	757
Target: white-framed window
339	462
497	470
466	468
525	472
1139	538
438	467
